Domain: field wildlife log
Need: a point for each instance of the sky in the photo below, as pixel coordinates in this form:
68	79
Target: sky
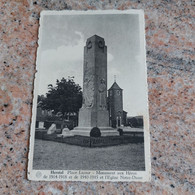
61	50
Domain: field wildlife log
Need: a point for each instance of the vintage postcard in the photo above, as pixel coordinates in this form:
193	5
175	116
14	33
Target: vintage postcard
90	119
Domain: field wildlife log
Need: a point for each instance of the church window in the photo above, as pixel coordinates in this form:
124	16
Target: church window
118	92
110	93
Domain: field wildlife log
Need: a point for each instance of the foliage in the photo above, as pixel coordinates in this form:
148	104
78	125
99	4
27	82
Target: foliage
65	97
133	122
40	98
70	126
136	122
53	118
47	124
95	132
120	131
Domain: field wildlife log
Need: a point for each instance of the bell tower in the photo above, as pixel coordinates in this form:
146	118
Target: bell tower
115	99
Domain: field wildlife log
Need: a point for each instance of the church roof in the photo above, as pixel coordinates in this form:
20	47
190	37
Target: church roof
115	86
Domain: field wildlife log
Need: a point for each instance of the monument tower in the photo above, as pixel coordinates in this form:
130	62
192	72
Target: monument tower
94	111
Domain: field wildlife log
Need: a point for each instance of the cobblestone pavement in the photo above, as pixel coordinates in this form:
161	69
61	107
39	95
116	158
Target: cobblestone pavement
54	155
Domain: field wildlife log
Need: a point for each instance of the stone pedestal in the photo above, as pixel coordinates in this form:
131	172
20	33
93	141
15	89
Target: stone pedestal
94	111
66	133
41	125
85	131
90	117
51	129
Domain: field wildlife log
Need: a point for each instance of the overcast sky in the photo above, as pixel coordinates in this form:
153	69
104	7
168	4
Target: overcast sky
62	42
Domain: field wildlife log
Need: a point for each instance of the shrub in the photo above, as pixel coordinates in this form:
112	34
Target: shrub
47	124
120	131
70	126
95	132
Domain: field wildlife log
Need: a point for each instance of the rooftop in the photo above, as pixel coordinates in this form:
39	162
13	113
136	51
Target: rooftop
115	86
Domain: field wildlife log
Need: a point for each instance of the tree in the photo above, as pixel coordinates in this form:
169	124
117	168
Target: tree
40	98
65	97
133	122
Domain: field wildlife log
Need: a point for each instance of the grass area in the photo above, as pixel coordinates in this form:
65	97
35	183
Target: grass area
50	155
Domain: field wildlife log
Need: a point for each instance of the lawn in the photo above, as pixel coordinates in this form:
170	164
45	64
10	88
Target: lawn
50	155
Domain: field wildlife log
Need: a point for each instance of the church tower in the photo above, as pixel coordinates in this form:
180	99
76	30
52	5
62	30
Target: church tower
115	104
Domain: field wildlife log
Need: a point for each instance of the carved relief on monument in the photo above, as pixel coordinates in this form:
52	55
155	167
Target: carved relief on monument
89	45
88	92
102	85
102	89
100	44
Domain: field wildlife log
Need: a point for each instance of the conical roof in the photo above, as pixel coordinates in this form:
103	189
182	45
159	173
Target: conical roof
115	86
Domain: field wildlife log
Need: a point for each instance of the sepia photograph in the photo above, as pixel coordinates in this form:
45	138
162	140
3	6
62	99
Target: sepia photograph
90	119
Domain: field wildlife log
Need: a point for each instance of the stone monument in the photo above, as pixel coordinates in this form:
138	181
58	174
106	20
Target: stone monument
51	129
94	111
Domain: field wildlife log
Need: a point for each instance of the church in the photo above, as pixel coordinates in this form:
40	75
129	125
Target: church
117	116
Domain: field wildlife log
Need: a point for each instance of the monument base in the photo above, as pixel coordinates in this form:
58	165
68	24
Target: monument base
85	131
